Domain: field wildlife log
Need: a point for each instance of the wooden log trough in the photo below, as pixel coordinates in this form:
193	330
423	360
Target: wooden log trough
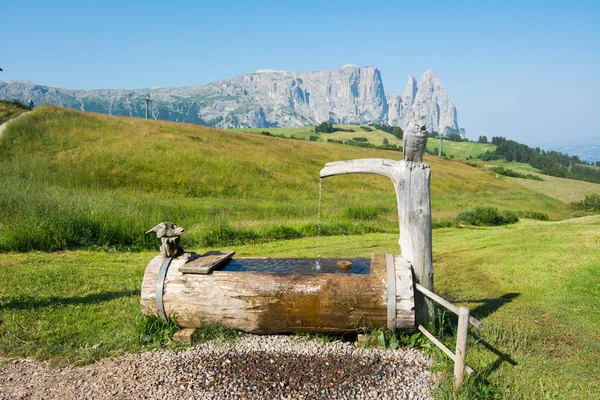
194	292
396	292
272	302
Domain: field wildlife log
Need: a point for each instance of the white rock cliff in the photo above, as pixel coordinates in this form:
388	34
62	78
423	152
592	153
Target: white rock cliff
266	98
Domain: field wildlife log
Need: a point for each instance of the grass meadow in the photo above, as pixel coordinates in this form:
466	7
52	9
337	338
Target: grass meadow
74	180
535	285
78	190
345	132
10	110
459	150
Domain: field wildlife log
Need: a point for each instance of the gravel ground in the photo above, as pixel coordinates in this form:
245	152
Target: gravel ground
253	367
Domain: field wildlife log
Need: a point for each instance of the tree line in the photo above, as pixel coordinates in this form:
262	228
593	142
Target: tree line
553	163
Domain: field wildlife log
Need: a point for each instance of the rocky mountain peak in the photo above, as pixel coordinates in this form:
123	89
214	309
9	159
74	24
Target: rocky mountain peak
433	105
427	101
268	98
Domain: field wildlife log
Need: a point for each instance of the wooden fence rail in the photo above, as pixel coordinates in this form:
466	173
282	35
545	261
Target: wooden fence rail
464	319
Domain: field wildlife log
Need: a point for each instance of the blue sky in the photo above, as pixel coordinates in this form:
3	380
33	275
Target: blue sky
526	70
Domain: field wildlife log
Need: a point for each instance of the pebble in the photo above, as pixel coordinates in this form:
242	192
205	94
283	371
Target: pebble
253	367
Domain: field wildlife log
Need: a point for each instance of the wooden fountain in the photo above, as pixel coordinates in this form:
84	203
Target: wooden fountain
195	289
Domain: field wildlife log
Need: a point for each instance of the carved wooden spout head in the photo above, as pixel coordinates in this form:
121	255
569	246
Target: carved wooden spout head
169	234
166	230
414	141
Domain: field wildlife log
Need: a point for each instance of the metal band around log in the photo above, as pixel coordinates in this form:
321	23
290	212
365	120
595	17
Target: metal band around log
391	286
160	283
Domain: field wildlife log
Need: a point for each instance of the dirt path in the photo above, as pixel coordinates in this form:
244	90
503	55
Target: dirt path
254	367
5	124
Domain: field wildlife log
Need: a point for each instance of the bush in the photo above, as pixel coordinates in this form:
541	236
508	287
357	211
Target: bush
398	132
514	174
486	216
533	215
360	139
590	203
324	127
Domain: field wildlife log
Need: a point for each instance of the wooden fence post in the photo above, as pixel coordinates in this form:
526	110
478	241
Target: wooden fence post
461	346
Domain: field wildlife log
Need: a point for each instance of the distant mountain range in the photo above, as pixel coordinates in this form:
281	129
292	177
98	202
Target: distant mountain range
348	95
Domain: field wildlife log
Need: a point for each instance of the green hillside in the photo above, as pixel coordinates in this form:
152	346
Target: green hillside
343	133
10	110
535	285
75	180
71	179
459	150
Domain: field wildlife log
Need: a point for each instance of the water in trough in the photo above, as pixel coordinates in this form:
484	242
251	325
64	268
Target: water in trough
301	265
360	265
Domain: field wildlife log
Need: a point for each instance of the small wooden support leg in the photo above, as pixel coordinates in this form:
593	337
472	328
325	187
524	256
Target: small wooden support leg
185	336
461	346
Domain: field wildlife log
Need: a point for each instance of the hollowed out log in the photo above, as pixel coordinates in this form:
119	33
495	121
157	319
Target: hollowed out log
263	302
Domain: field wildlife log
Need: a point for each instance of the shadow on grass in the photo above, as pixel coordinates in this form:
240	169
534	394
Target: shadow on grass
29	303
502	357
480	387
490	306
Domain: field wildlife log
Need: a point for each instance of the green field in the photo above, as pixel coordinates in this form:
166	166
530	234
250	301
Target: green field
74	180
515	165
535	285
374	136
459	150
86	187
10	110
567	190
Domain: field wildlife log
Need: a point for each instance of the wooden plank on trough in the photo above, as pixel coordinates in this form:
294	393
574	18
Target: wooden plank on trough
207	262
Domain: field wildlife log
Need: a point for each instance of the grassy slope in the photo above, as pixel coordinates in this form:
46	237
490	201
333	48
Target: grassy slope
374	136
567	190
460	150
535	285
514	165
71	179
10	110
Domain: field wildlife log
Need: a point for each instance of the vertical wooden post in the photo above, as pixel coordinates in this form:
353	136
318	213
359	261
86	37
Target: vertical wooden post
414	211
461	346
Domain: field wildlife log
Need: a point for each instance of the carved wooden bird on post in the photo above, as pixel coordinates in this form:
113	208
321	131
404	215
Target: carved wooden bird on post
166	229
414	141
169	234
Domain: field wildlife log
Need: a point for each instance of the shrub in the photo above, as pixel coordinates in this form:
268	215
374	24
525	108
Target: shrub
486	216
324	127
590	203
360	139
514	174
18	104
533	215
